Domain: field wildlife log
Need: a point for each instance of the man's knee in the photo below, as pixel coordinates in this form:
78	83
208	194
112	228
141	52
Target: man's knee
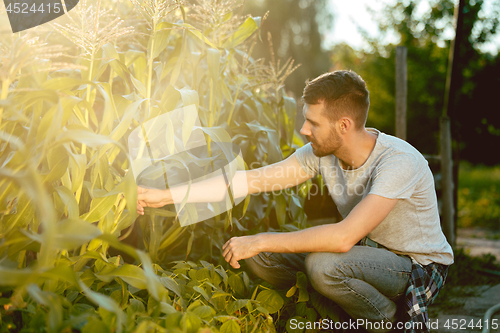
257	265
273	268
323	269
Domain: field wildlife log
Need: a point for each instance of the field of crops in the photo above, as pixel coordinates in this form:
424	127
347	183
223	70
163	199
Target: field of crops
74	255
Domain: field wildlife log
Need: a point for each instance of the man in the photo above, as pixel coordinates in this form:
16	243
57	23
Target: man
382	187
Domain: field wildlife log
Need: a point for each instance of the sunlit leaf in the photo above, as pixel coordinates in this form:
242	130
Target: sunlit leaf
24	214
237	284
189	97
169	98
58	161
131	274
230	326
139	86
160	41
280	206
244	31
155	288
15	277
236	305
84	136
204	311
72	233
63	83
271	300
105	302
99	207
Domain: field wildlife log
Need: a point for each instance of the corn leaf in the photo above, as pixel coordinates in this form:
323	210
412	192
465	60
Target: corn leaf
244	31
99	208
71	233
131	274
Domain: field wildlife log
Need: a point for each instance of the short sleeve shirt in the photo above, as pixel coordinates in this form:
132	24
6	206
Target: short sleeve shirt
394	170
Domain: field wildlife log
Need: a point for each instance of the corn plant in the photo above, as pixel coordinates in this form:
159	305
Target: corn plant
67	193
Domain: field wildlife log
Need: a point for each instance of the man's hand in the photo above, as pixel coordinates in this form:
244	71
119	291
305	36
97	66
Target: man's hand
151	197
238	248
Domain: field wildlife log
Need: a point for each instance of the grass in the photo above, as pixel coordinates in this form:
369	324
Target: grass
467	272
478	196
478	207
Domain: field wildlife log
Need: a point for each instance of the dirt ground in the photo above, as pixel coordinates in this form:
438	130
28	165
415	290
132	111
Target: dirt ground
475	300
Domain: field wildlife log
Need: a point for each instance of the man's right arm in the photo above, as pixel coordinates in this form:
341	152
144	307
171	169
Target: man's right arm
277	176
274	177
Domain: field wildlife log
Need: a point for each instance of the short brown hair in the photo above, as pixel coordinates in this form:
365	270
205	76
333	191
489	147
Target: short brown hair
344	94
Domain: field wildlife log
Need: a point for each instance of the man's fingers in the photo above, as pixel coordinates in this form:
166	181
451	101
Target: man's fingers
231	259
225	247
228	256
140	210
226	252
234	263
228	242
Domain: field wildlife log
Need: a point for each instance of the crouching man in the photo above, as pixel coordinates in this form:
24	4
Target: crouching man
389	245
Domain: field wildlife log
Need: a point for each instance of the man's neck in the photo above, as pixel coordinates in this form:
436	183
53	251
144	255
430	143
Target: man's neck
357	149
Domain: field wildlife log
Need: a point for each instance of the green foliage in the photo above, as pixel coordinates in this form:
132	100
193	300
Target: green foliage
426	35
67	195
184	298
305	304
478	196
466	271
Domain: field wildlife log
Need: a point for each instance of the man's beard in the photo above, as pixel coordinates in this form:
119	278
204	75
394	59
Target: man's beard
328	147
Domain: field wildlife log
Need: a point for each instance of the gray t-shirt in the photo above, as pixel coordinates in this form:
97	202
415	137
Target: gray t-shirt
394	170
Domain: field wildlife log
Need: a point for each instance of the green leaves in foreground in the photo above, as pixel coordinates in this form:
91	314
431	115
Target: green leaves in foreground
68	193
113	296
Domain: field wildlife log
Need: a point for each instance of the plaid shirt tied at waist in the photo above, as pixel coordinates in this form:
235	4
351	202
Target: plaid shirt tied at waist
423	288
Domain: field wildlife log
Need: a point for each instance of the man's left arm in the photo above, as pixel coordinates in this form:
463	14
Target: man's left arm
336	237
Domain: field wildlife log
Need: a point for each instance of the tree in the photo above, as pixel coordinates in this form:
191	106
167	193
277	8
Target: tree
427	38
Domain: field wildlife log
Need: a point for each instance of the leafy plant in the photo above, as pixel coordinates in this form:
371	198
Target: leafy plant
478	199
67	195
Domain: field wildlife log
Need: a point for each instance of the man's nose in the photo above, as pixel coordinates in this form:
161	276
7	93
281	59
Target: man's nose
305	130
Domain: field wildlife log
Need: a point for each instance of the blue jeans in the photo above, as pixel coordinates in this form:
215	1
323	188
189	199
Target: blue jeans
366	281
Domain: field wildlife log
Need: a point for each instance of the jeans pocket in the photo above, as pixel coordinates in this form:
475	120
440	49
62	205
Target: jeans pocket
403	283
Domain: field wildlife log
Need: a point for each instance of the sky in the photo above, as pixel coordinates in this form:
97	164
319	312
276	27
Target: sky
348	15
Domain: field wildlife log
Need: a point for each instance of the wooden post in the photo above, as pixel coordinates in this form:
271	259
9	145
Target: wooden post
447	208
453	83
401	91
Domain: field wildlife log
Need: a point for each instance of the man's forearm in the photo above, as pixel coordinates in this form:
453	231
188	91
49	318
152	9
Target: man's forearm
243	183
211	190
324	238
275	177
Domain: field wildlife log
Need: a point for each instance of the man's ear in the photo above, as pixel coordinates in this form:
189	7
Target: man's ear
345	124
